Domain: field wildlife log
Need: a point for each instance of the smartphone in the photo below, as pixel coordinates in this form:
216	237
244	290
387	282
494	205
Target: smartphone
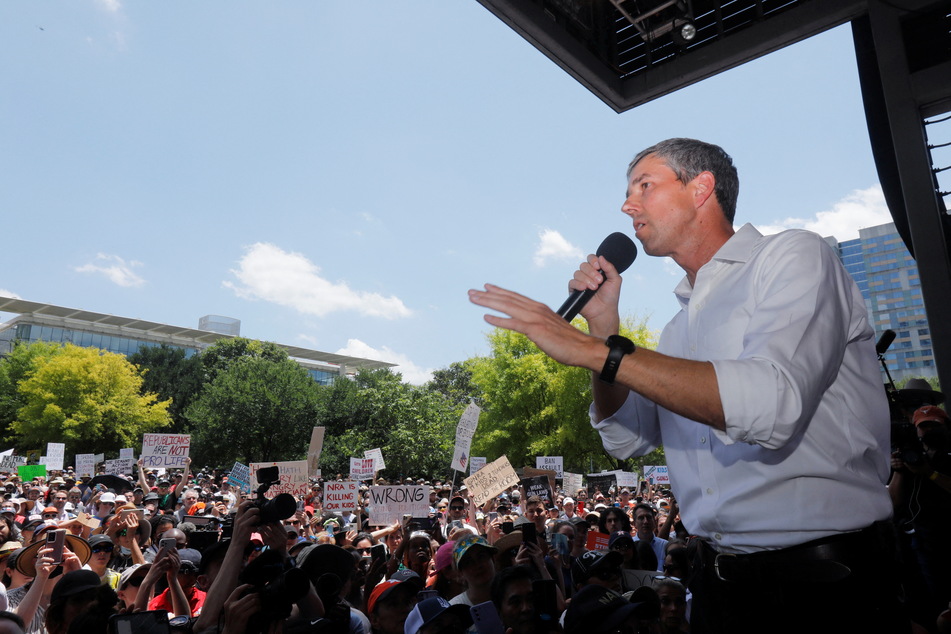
546	603
330	528
168	543
560	542
493	516
378	552
486	618
529	533
55	539
152	622
508	527
456	524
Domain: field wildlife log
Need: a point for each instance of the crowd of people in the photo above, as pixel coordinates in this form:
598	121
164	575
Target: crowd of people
215	559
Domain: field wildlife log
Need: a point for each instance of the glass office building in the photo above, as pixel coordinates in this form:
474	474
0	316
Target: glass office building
887	275
34	321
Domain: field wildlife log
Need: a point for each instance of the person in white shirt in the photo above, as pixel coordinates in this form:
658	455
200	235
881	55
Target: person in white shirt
764	392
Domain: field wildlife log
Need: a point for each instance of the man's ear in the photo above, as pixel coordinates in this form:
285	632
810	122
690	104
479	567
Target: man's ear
702	187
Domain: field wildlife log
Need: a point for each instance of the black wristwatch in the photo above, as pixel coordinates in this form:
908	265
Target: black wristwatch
619	346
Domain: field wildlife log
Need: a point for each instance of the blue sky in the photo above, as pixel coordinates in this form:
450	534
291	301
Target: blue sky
336	175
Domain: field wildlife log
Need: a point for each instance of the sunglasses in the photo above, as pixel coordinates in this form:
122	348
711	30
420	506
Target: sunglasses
457	508
102	548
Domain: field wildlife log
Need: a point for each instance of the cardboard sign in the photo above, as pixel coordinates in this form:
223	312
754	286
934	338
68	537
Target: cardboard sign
240	477
626	479
340	496
127	452
388	504
600	482
465	430
88	520
33	457
167	451
293	477
539	486
551	463
10	462
313	451
491	480
377	456
657	474
119	466
530	472
571	482
361	468
476	463
85	465
55	452
597	541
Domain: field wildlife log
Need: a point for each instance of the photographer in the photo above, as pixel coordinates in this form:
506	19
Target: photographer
921	488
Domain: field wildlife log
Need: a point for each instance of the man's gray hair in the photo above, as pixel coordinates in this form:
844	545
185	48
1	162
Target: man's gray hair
688	157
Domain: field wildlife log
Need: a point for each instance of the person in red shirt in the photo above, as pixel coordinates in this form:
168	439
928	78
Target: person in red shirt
181	598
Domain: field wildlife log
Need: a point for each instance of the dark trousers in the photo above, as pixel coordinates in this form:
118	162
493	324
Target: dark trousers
840	584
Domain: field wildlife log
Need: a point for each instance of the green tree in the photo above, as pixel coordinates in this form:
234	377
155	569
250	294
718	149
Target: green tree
256	409
90	399
172	375
413	426
534	406
224	352
455	383
14	368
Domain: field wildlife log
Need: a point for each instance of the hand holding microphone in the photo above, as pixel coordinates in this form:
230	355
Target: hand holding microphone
619	250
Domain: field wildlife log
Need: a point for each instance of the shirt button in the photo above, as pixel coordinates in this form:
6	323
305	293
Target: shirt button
703	440
718	537
709	491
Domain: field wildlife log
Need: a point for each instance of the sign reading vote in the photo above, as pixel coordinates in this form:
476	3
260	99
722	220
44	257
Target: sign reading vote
165	451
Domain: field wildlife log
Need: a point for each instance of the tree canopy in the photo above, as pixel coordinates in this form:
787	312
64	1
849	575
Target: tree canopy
89	399
534	406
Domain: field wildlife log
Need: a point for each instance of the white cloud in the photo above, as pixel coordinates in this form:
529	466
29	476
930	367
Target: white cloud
111	6
553	246
116	269
860	209
411	372
5	293
269	273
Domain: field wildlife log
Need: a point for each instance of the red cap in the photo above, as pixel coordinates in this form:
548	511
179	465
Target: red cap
930	413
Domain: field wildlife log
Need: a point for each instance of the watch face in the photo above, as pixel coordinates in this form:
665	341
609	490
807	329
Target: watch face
623	343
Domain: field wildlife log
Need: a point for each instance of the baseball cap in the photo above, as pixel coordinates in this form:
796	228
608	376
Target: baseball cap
468	542
595	609
929	413
431	609
384	590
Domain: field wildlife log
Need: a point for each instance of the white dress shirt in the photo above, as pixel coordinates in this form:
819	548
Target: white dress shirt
805	451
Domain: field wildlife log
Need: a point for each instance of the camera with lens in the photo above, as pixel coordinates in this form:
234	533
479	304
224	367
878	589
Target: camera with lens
905	443
278	587
278	509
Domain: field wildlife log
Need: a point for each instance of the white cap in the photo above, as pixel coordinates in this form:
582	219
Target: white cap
108	497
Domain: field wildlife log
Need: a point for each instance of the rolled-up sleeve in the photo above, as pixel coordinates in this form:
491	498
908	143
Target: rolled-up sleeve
633	430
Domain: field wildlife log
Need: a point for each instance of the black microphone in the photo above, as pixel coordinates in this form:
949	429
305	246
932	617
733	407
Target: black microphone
884	341
619	250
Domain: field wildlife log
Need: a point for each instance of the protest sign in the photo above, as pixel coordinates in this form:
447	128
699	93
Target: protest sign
99	457
119	466
127	452
7	452
88	520
55	452
167	451
85	465
313	451
340	496
377	456
531	472
29	471
10	463
491	480
600	482
465	430
388	504
537	485
657	474
551	463
626	479
292	474
597	541
33	457
571	483
361	468
476	463
240	477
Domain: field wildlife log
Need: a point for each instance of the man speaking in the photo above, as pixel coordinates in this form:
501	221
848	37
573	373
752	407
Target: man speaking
764	392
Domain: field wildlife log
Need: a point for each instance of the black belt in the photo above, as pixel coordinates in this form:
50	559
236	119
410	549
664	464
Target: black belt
822	560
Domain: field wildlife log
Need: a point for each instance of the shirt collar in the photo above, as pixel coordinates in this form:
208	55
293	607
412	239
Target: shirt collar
737	249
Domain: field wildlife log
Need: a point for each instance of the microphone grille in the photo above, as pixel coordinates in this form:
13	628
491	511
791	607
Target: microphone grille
619	250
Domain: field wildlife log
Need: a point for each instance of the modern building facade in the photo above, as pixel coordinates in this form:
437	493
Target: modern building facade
887	275
35	321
